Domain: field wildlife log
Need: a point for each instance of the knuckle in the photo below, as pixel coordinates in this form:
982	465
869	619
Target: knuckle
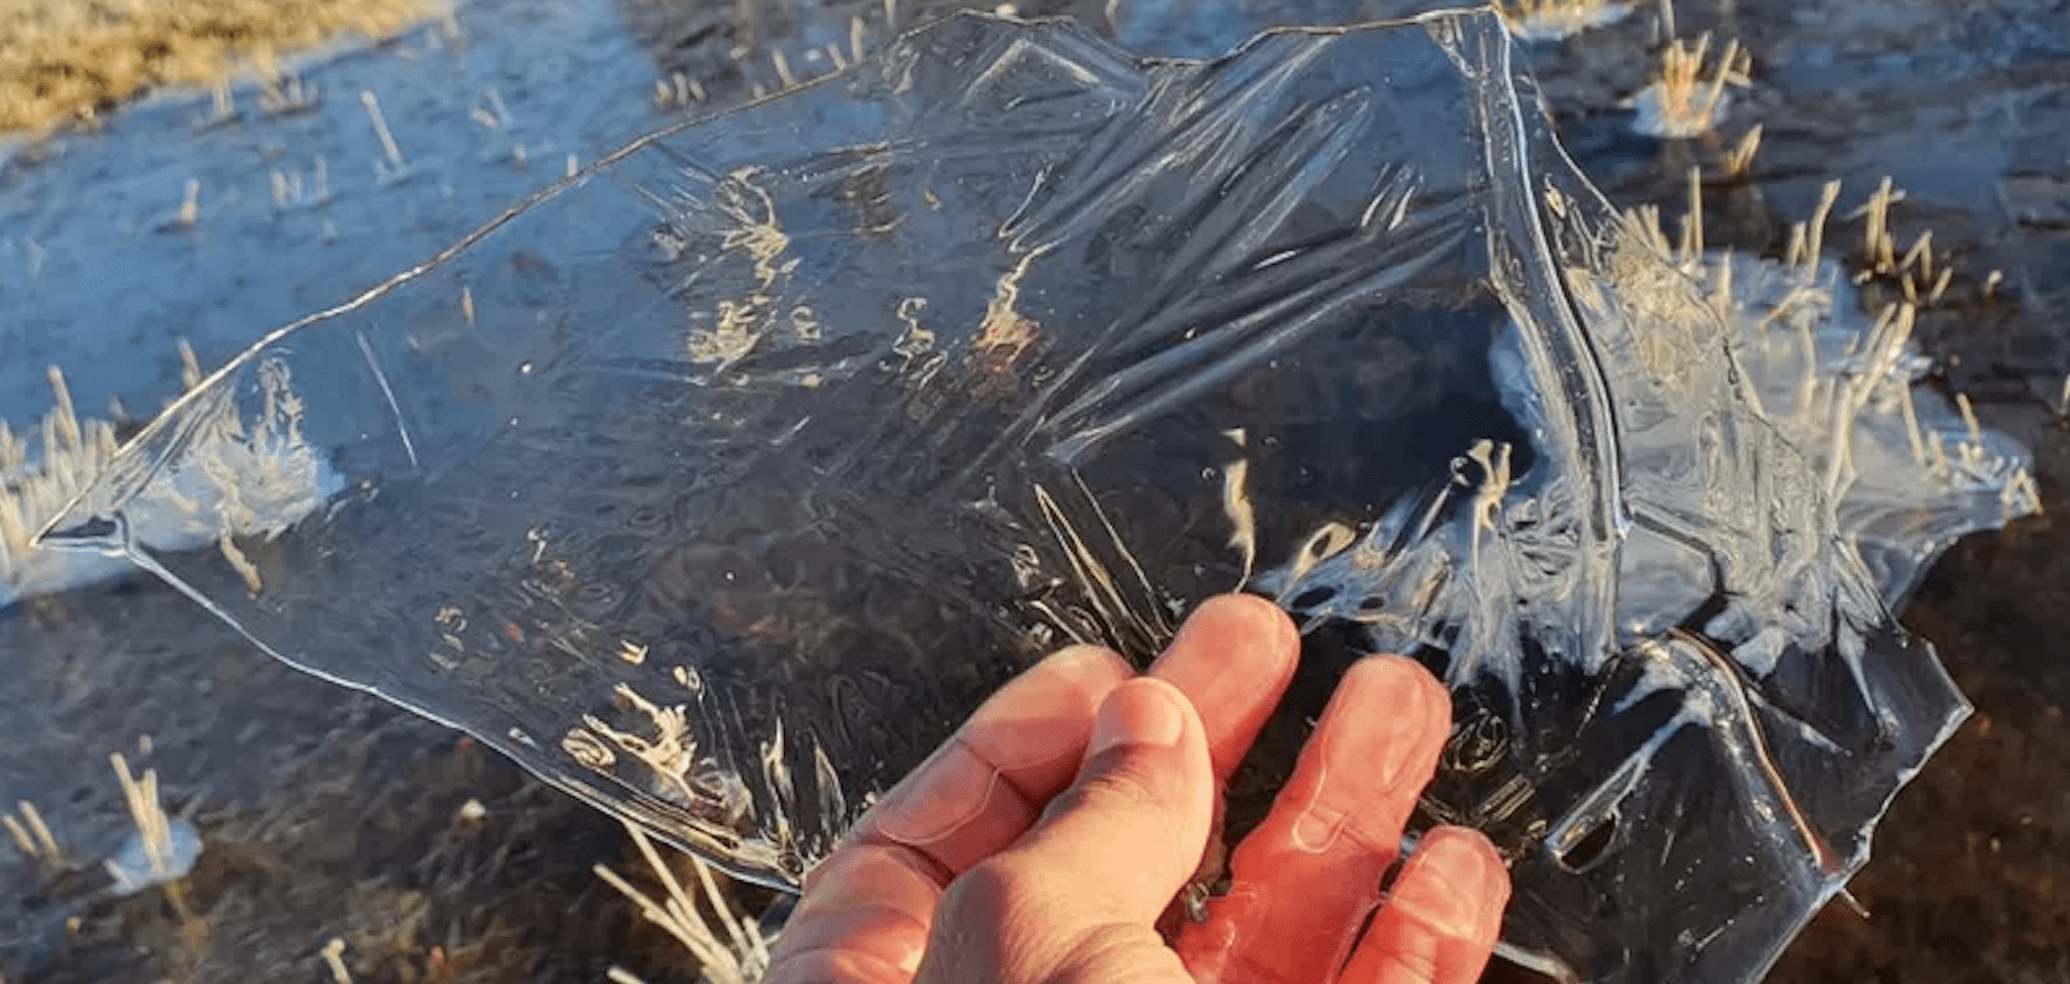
985	891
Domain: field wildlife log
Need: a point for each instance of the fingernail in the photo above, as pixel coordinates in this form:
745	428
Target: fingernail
1046	708
1242	620
910	954
1232	654
1140	712
950	790
1082	664
1394	726
1050	685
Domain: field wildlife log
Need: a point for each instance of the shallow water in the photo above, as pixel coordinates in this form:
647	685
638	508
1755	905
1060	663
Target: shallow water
1988	93
1966	114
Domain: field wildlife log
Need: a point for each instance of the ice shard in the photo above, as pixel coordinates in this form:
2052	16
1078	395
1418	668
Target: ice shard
716	483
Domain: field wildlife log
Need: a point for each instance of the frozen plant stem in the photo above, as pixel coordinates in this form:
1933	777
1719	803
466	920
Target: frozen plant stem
21	837
373	107
743	962
152	826
44	838
1878	248
32	835
34	488
190	204
334	957
1739	161
1685	100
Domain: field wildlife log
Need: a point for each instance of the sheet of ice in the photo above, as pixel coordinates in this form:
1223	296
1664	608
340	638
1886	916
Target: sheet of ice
717	483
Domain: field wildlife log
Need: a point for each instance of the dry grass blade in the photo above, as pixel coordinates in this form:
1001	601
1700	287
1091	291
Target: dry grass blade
1739	161
34	487
32	835
334	957
69	60
742	957
152	825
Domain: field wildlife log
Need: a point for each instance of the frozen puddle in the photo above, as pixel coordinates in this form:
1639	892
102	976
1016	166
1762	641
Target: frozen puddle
717	482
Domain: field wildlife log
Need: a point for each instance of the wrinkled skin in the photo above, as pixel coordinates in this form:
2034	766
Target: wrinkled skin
1047	840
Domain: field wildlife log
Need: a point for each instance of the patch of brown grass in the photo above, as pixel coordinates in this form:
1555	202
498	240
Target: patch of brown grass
68	60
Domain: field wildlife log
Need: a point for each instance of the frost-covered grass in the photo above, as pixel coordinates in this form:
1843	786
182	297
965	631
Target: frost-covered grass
1689	94
236	478
1554	20
1907	468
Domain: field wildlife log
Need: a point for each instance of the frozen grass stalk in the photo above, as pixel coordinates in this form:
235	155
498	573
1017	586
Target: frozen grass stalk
161	851
1872	389
142	797
1739	161
1689	95
334	957
32	835
190	204
1554	20
68	454
741	958
372	103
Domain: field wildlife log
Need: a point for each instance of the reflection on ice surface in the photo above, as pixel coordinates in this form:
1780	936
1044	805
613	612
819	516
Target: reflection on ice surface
717	483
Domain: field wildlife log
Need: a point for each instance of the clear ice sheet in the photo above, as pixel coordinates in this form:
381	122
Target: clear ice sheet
717	483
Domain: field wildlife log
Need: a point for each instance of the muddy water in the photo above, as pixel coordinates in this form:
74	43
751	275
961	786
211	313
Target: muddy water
330	815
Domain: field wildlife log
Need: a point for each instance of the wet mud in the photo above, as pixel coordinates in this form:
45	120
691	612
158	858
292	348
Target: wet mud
329	815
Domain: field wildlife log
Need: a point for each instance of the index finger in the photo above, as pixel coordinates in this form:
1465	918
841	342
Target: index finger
1233	659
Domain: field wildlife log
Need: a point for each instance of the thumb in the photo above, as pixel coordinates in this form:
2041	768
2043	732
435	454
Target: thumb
1130	831
1078	896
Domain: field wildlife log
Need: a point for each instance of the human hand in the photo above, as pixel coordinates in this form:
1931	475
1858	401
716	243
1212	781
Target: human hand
1044	841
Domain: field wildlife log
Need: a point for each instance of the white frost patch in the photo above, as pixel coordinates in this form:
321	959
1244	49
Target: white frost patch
132	869
236	479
